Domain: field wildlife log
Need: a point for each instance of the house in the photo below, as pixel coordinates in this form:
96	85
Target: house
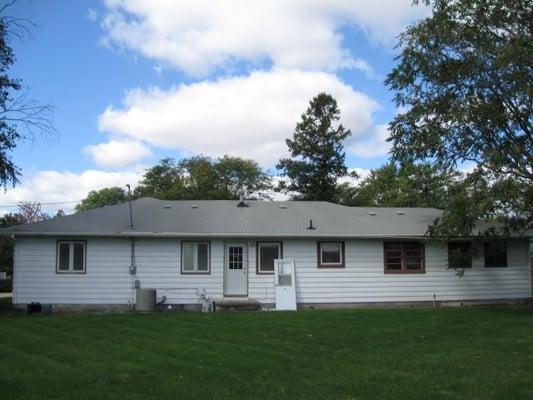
342	256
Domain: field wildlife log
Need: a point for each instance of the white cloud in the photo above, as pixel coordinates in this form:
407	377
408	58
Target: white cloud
361	172
65	186
198	36
374	146
246	116
118	153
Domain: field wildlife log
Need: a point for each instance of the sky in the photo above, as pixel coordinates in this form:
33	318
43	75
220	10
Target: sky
134	81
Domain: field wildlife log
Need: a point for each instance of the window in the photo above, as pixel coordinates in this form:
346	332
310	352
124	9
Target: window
495	254
195	258
71	258
406	257
459	255
267	252
330	254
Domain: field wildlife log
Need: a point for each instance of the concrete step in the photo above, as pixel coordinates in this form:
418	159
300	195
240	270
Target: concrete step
237	305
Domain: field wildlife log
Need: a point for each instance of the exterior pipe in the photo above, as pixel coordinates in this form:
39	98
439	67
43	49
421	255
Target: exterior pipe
129	206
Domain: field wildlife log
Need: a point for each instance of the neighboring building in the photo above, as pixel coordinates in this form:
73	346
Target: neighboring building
342	255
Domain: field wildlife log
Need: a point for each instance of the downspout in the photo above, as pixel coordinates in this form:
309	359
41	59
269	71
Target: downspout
133	263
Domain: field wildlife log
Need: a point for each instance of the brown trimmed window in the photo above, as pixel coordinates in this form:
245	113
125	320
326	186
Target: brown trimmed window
495	254
330	254
195	258
71	257
459	255
404	257
267	252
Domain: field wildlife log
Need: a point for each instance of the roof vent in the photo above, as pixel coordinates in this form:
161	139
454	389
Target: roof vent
310	226
242	204
283	207
373	213
400	212
194	206
167	206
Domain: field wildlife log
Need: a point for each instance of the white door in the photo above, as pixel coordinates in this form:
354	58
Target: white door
236	269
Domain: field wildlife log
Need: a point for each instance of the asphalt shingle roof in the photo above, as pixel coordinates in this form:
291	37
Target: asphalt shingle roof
153	217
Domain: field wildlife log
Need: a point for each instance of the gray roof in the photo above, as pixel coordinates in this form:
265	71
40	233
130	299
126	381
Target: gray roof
184	218
222	218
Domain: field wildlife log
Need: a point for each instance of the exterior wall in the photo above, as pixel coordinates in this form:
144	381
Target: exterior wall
107	279
159	266
363	279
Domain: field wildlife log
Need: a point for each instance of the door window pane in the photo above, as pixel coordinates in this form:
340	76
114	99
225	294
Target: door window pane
235	257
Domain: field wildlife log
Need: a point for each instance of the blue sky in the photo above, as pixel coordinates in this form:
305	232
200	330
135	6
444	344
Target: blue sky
134	81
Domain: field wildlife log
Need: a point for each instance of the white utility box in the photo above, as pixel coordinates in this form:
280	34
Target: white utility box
285	284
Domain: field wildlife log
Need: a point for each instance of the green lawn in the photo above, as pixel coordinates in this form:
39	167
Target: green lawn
451	353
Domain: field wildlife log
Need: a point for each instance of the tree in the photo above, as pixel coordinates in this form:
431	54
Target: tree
464	80
201	177
101	198
20	118
202	180
242	178
31	212
409	185
317	156
163	181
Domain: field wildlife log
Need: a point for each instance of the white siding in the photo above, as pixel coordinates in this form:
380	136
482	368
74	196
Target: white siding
363	279
107	280
159	266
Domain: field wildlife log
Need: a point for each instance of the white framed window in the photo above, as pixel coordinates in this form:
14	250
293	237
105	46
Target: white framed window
267	252
71	256
195	258
330	254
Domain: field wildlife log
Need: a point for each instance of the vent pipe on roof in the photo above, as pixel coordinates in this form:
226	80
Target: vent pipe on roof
310	226
242	204
129	206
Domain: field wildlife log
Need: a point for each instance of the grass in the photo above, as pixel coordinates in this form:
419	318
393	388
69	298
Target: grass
451	353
